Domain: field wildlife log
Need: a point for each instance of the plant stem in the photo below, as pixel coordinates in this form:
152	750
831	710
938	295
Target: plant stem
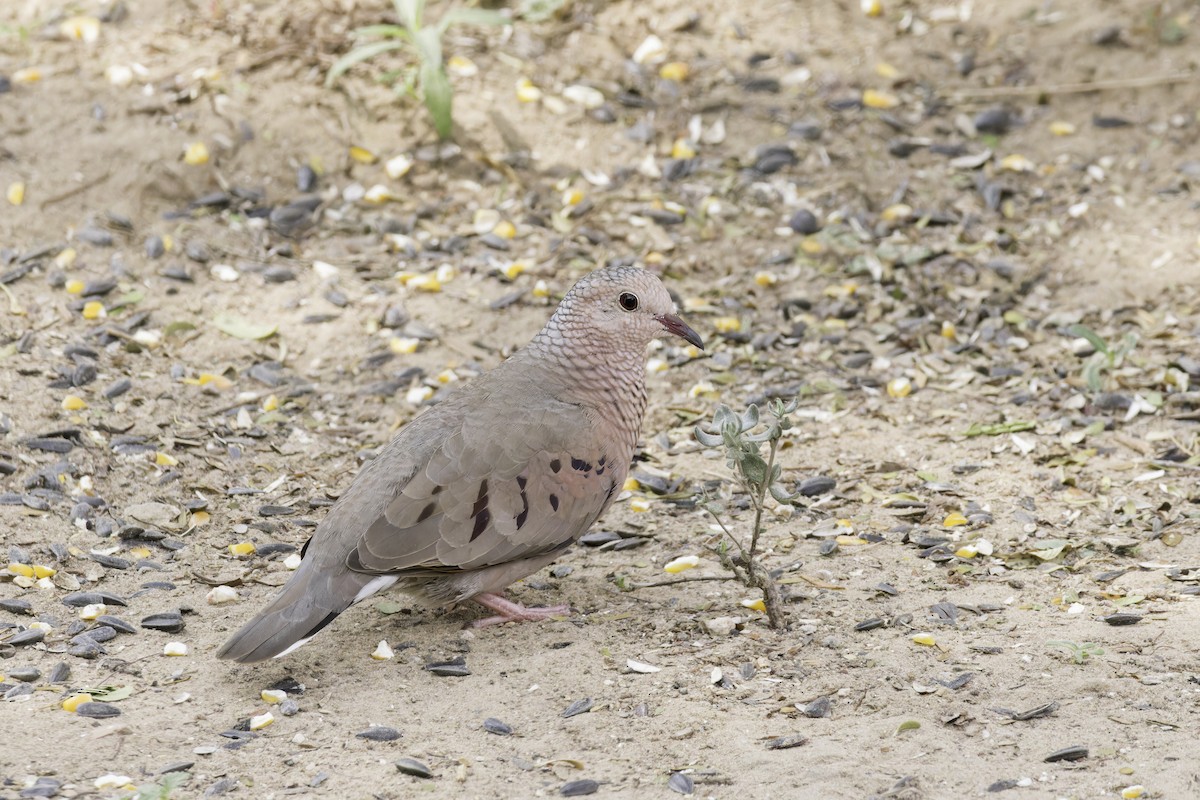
756	576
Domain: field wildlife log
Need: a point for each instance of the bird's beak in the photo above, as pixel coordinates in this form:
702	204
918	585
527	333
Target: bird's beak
680	328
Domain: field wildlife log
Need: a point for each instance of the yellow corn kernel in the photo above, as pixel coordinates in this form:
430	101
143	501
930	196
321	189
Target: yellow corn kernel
75	701
165	459
727	324
703	389
16	193
24	570
681	564
872	98
540	289
175	649
273	696
630	485
418	395
896	213
505	229
74	286
65	258
954	520
513	270
257	723
1132	792
27	75
527	92
403	345
872	8
216	381
139	552
1016	163
899	387
383	651
1061	128
424	283
461	67
362	155
948	330
656	365
271	403
850	541
93	309
378	195
73	403
572	197
196	154
966	551
756	604
41	571
674	71
886	70
639	504
765	279
682	148
653	258
92	610
242	549
811	246
925	639
200	517
446	376
398	166
81	28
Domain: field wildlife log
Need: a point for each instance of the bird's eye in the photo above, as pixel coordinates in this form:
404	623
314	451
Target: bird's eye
628	301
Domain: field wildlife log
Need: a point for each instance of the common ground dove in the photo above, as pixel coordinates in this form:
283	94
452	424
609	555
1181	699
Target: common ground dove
493	482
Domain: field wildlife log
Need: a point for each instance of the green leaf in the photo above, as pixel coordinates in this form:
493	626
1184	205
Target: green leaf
359	54
429	47
178	327
439	98
241	328
410	12
999	428
1093	338
389	607
109	693
471	16
908	725
754	468
386	31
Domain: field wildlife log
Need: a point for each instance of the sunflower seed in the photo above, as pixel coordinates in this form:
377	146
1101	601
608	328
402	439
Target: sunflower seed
579	788
98	710
681	783
493	725
379	733
169	621
410	766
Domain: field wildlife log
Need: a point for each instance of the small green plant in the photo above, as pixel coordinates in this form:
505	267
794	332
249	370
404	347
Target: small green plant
430	77
163	788
1079	653
742	436
1106	359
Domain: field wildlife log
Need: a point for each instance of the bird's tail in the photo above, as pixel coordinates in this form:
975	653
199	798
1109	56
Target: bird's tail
305	605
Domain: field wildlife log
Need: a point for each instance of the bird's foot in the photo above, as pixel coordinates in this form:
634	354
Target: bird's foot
508	611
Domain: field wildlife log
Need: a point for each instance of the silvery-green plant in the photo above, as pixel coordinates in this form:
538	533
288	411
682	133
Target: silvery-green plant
742	436
430	77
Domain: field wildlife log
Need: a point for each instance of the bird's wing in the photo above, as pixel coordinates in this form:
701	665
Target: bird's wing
494	490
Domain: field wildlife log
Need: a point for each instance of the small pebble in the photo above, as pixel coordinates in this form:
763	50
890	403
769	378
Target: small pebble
410	766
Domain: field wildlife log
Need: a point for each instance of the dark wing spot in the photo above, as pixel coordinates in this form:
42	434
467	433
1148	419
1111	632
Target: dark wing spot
599	470
524	515
554	502
579	465
480	511
330	617
436	490
612	489
555	465
304	549
481	523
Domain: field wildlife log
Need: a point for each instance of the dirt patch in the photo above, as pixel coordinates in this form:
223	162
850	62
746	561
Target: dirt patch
934	297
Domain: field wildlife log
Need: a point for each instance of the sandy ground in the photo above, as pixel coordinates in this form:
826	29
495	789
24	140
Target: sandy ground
1089	512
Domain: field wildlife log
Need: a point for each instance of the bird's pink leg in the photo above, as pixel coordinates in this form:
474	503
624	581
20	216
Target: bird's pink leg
508	611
